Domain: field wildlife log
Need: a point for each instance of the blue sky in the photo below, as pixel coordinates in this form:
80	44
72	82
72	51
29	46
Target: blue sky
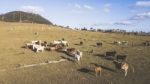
105	14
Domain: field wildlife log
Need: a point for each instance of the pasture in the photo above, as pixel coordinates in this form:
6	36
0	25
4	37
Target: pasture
14	35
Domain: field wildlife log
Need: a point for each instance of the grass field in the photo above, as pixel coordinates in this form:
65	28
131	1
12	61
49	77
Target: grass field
14	35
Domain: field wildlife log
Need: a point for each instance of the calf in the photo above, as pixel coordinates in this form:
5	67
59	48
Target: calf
99	44
98	70
121	58
81	42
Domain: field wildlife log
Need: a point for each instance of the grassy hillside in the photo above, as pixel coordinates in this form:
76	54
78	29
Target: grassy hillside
14	35
19	16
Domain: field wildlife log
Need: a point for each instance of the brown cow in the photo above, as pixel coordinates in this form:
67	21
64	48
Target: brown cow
125	67
122	65
98	70
70	50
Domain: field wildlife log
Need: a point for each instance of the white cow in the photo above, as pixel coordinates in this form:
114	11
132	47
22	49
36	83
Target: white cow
65	43
29	45
60	42
34	42
56	42
38	48
78	55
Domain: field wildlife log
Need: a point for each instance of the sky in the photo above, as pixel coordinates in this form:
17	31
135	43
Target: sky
130	15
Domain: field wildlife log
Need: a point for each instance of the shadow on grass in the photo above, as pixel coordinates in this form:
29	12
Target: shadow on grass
104	57
99	55
104	67
86	70
68	58
93	45
24	47
77	44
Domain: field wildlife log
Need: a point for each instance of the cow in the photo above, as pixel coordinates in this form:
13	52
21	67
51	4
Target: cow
34	42
44	44
125	67
98	44
78	55
121	58
98	69
38	48
65	43
146	43
122	65
28	45
56	42
56	47
117	42
74	53
81	42
110	55
120	42
70	50
124	42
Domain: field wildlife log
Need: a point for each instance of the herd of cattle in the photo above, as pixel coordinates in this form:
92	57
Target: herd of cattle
60	45
63	46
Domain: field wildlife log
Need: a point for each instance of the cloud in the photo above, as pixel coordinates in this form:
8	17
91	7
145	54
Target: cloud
125	22
77	6
143	3
137	17
107	8
88	7
32	9
141	16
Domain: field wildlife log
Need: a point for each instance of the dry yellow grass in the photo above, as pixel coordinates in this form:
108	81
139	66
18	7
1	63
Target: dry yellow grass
14	35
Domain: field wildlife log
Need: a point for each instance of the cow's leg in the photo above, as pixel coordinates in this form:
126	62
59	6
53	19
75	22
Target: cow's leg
126	73
100	73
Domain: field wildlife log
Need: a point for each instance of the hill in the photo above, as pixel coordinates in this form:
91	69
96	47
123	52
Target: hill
25	17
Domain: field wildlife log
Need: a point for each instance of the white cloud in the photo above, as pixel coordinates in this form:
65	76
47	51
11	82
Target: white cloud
141	16
107	8
83	6
88	7
77	6
125	22
32	9
143	3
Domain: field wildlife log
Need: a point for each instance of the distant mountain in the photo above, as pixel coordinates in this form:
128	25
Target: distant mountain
20	16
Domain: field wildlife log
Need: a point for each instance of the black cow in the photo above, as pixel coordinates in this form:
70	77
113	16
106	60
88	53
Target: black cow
146	43
81	42
110	55
121	58
98	44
